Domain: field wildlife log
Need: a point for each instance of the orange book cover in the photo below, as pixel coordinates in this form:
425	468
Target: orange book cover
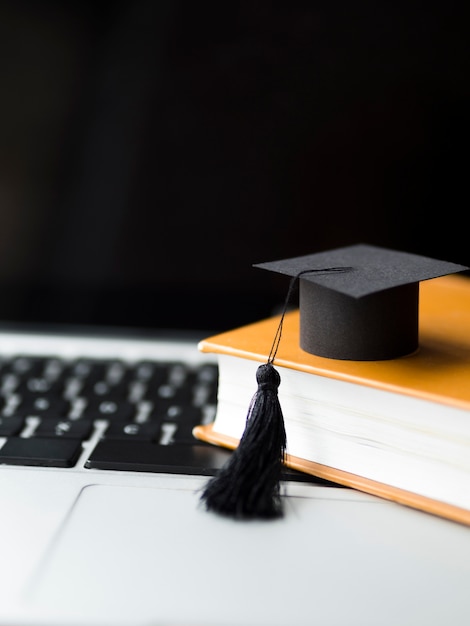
439	372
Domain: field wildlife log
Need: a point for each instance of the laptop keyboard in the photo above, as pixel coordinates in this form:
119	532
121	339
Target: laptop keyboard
128	417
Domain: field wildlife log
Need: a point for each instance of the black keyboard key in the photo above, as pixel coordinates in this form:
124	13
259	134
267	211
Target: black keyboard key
178	433
116	372
178	413
9	383
170	394
101	389
53	368
131	431
141	456
43	405
86	369
110	409
208	373
25	365
44	452
10	426
39	386
68	429
152	373
171	432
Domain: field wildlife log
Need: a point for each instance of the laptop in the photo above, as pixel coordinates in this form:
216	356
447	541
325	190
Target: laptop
104	539
123	243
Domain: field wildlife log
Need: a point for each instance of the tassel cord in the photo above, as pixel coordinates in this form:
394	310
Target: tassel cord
293	281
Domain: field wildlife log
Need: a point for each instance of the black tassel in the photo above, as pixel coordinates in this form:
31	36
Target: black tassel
248	486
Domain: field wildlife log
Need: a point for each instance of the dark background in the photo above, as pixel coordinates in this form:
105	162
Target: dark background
152	151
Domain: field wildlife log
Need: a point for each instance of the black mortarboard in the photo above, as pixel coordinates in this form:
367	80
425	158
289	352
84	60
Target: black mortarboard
366	311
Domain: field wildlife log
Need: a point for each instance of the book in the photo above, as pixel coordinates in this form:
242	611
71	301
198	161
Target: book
396	428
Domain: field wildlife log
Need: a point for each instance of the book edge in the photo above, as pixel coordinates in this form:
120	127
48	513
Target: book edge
450	512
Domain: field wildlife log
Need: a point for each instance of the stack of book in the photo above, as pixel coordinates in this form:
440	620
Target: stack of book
398	428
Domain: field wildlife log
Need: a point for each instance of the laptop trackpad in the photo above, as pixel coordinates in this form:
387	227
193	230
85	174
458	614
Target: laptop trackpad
148	555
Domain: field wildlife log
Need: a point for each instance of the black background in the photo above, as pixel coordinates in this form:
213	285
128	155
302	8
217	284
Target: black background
151	151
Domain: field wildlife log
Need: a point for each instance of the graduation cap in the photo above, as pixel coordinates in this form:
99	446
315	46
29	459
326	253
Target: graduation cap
358	303
368	308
